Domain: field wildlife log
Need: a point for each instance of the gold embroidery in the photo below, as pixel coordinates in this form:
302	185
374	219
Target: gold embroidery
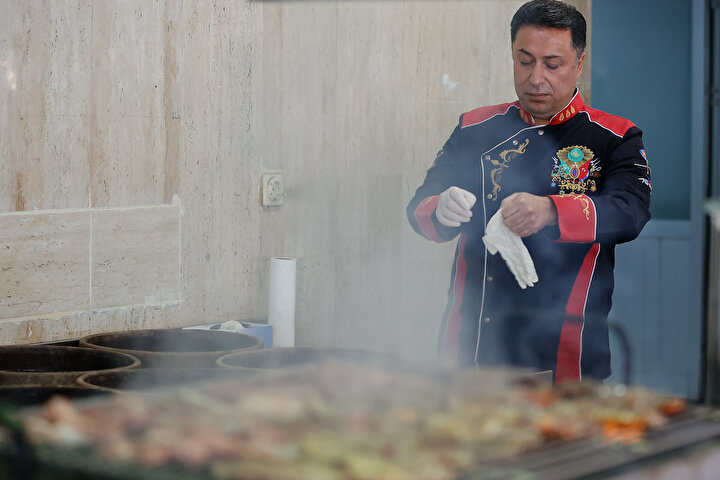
572	109
584	200
496	173
566	184
562	116
580	154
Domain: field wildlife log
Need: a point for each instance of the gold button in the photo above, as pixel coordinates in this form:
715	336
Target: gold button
489	278
540	132
487	320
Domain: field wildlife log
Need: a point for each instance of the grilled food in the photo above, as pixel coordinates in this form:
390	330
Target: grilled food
346	421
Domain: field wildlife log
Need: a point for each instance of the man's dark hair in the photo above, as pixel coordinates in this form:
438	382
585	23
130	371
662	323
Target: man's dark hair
553	14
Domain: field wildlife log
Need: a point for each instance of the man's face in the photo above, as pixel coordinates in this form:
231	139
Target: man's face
546	69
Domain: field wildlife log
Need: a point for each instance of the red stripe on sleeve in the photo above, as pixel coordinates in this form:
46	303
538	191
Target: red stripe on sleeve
570	346
451	340
423	214
576	218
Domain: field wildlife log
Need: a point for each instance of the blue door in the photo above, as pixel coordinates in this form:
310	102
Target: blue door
648	65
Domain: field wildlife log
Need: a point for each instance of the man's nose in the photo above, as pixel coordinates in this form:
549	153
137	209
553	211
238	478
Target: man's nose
537	76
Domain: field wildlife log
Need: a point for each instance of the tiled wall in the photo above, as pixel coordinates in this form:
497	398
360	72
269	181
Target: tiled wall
133	134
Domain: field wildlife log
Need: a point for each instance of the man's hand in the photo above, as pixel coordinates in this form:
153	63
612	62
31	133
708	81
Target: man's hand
454	207
525	214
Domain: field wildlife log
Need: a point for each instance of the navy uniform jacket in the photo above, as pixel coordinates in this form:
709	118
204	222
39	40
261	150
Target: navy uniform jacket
593	167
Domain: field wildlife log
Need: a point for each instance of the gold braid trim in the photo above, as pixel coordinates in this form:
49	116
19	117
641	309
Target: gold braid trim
496	173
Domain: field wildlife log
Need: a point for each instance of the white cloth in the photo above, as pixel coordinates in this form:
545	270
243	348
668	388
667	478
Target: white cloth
499	238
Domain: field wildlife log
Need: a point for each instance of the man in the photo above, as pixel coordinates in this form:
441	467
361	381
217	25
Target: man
569	180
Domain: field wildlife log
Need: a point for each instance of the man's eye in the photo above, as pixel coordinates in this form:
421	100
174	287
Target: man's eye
553	67
525	62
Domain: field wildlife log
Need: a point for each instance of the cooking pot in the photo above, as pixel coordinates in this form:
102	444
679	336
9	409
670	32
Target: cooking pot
146	379
53	365
285	357
171	348
23	396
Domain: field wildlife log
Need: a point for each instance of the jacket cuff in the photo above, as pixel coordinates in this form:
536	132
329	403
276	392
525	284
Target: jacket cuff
428	222
577	221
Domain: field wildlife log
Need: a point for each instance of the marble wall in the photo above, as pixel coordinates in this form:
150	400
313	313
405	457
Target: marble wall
133	134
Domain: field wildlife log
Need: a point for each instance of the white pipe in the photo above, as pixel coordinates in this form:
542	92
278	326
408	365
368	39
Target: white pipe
281	308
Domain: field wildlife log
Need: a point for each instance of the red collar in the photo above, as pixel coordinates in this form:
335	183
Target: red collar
570	110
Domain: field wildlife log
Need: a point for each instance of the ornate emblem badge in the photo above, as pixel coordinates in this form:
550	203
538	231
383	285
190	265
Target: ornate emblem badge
576	170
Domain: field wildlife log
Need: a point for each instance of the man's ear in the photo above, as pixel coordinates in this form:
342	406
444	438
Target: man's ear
580	62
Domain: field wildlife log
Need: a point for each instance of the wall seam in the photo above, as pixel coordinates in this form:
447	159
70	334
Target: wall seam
90	160
98	310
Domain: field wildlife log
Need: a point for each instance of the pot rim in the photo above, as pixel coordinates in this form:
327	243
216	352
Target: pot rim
134	362
85	342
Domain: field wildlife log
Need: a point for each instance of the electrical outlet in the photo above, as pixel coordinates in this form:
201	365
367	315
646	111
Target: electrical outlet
271	186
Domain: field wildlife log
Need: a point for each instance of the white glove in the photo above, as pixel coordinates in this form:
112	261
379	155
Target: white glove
454	207
499	238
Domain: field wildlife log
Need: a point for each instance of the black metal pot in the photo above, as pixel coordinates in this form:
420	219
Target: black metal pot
147	379
23	396
56	365
286	357
171	348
